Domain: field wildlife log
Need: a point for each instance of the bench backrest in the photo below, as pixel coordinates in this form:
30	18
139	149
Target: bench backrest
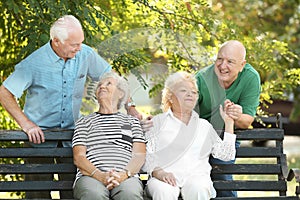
19	168
277	167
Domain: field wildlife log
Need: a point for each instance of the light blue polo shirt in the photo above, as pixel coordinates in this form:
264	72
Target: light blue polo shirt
54	87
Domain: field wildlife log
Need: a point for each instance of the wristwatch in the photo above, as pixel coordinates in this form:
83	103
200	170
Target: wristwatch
131	104
128	173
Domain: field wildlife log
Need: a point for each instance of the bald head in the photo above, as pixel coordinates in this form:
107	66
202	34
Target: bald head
230	61
236	47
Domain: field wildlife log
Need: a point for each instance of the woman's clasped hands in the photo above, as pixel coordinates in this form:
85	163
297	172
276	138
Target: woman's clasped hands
114	178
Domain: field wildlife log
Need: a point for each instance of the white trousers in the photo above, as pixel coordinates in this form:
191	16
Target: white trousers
197	187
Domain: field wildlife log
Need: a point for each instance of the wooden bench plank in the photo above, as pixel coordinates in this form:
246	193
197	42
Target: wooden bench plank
35	185
258	198
258	152
50	135
260	134
37	168
247	169
32	152
259	185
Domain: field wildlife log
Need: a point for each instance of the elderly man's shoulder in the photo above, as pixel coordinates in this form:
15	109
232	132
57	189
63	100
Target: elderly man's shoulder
87	50
250	71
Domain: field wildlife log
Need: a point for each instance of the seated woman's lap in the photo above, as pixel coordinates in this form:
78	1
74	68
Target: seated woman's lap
194	187
87	188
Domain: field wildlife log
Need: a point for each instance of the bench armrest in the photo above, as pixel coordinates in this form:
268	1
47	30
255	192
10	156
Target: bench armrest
295	173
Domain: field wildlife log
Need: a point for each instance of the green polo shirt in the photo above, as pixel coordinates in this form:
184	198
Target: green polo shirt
244	91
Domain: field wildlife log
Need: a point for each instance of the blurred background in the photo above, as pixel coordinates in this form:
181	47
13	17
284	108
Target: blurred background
145	40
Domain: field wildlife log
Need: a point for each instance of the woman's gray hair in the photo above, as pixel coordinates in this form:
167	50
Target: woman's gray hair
170	85
60	28
122	85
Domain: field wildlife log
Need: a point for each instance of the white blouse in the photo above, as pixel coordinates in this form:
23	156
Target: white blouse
184	149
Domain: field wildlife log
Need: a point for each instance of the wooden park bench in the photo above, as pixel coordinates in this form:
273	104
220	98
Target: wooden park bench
279	168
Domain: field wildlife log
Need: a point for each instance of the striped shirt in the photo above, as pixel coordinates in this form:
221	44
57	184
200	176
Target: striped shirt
108	139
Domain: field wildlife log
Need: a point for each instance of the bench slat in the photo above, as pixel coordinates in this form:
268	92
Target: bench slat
37	168
242	152
250	134
258	198
33	152
50	135
260	134
35	185
258	152
261	185
247	169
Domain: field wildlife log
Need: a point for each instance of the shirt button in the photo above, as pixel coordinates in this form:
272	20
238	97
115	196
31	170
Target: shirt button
63	109
65	95
62	122
65	81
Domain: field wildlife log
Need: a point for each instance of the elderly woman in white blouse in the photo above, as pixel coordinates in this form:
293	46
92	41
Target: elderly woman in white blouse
180	143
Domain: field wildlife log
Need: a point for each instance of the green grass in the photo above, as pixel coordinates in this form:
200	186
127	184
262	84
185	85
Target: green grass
293	162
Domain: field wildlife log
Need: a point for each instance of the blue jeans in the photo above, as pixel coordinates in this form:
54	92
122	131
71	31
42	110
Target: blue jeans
228	177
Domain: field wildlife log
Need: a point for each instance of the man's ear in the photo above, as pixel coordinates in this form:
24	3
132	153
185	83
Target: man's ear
243	65
55	41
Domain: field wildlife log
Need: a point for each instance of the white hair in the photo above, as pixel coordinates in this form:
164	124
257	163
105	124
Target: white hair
170	84
122	85
60	28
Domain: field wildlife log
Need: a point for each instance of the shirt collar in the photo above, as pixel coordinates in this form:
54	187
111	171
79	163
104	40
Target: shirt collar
169	113
53	56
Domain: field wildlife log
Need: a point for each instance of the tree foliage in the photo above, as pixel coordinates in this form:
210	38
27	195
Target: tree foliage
168	35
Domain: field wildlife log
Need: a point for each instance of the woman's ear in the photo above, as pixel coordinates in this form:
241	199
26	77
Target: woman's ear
121	94
171	98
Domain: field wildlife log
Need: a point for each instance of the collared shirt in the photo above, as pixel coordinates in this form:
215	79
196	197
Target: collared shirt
54	87
244	91
184	149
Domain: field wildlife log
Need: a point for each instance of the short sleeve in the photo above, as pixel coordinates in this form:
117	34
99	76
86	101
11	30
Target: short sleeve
80	132
19	80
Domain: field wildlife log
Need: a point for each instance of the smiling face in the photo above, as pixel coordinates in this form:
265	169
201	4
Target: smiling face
230	61
68	48
184	96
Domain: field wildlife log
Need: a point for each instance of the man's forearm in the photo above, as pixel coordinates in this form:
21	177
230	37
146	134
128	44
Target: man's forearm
244	121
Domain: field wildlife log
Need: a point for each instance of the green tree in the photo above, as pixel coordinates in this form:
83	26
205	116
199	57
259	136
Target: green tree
132	35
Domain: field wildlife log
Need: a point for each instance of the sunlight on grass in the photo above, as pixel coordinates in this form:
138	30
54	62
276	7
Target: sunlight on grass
293	161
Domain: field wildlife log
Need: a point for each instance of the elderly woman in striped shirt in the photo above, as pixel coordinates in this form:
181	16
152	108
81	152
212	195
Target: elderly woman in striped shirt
179	144
109	147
